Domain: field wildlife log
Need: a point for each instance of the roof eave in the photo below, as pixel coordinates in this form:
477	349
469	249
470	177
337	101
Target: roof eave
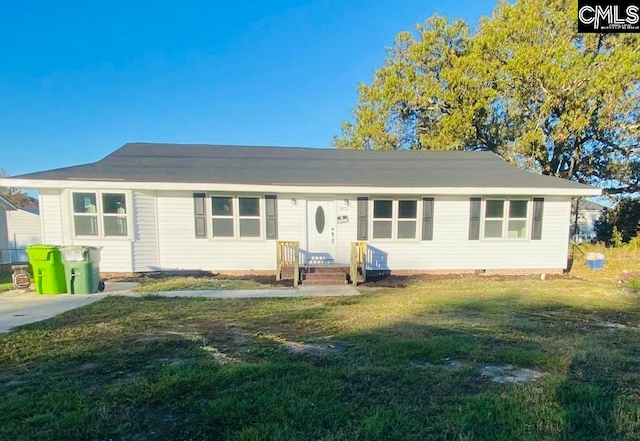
37	184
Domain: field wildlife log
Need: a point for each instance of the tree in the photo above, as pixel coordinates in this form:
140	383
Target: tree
16	196
525	86
623	218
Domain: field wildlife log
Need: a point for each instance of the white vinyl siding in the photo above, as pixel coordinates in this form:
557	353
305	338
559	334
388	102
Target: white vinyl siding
162	236
180	249
51	216
451	248
56	213
23	229
4	242
145	245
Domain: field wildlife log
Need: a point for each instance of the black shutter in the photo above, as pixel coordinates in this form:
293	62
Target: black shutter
536	225
200	218
271	218
474	219
363	212
427	218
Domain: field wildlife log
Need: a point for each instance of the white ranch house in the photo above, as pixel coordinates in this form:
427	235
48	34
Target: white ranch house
157	207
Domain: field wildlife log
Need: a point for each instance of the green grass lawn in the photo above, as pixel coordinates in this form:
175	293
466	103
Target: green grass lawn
403	363
5	281
197	284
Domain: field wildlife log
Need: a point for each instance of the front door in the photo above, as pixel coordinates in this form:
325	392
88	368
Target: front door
321	231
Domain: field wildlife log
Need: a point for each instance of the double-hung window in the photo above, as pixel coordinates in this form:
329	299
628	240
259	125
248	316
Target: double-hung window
395	219
407	219
222	211
236	216
382	219
85	214
505	218
99	214
249	214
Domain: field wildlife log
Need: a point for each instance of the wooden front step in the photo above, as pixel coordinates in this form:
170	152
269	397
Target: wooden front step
325	275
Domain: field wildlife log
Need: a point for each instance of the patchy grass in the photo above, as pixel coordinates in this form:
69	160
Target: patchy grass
196	284
402	364
621	263
5	281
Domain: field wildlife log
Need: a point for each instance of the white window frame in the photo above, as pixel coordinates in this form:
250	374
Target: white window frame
395	220
213	217
505	219
414	220
382	219
259	217
100	214
235	202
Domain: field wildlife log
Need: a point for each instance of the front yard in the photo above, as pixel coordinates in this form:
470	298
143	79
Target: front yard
437	359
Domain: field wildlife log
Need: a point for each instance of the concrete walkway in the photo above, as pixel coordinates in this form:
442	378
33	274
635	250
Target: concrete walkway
20	307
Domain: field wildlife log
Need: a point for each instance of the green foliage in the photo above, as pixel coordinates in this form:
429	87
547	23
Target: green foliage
620	224
634	285
525	86
616	237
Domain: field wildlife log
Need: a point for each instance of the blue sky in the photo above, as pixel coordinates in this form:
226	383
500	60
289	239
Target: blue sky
79	79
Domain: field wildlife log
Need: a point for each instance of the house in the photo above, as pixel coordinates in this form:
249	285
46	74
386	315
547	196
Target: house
4	234
589	213
19	228
225	208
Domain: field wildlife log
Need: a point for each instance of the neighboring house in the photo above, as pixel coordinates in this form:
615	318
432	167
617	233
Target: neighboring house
588	213
4	234
194	207
19	228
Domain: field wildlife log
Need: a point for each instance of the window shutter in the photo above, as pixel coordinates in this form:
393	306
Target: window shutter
271	218
363	221
536	225
474	219
199	203
427	218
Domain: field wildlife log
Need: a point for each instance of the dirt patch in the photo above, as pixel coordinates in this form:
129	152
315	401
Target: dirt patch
312	348
510	374
218	357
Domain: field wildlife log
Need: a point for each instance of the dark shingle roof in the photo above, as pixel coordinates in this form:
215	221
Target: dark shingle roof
142	162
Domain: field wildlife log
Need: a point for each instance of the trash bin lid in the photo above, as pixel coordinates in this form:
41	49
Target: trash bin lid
39	252
74	254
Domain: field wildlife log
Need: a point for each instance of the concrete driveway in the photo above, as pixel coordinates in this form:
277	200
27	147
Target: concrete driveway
22	307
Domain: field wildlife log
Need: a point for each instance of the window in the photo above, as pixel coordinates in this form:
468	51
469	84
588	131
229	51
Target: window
505	218
394	219
85	217
493	217
222	210
114	209
249	213
382	219
109	208
236	216
407	219
517	223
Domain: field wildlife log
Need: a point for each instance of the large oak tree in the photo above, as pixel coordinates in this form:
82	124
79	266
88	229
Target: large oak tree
525	85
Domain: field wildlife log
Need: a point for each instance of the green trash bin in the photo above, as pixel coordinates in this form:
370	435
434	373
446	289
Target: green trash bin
48	270
82	269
